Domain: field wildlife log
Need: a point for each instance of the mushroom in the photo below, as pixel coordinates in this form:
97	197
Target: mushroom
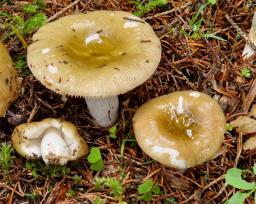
248	50
97	55
55	140
8	83
181	130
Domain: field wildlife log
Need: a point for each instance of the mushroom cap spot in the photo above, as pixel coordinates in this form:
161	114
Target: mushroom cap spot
8	83
27	140
180	139
105	55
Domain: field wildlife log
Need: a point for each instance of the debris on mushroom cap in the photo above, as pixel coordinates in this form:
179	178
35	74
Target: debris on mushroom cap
98	54
248	51
181	130
8	83
55	140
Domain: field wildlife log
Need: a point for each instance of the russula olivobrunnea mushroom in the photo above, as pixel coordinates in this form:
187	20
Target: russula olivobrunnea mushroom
97	55
55	140
8	83
181	130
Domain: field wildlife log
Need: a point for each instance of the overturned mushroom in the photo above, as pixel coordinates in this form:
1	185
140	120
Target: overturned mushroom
97	55
56	141
181	130
8	83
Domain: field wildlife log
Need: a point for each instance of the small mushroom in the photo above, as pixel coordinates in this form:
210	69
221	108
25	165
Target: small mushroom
55	140
181	130
97	55
8	83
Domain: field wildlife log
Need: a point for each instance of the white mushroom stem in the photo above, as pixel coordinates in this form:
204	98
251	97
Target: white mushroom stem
104	110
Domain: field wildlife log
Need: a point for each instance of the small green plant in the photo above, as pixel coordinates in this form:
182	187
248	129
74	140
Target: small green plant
38	169
5	156
142	8
229	127
98	200
112	132
113	183
246	72
76	179
196	22
95	159
147	189
235	177
71	193
34	7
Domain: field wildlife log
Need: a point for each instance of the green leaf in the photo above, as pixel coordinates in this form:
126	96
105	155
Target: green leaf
156	190
211	35
147	196
212	2
254	168
94	155
34	22
229	127
237	198
146	186
233	177
112	132
246	72
97	166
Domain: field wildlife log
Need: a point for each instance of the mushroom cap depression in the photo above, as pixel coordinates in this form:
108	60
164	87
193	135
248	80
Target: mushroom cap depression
98	54
8	83
55	140
181	130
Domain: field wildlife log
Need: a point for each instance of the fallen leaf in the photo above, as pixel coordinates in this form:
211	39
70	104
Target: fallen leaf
244	124
250	144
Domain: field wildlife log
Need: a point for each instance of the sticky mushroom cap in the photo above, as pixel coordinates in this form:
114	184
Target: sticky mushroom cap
55	140
98	54
8	83
181	129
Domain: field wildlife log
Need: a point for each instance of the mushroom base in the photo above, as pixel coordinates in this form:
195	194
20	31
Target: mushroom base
104	110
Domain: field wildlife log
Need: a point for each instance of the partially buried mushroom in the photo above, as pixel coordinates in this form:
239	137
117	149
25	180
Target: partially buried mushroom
55	140
181	130
8	83
97	55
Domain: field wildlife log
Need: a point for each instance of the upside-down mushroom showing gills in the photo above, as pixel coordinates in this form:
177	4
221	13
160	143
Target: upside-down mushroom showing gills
55	140
97	55
8	83
181	130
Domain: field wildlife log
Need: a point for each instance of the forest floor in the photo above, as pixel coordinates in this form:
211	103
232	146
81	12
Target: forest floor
202	53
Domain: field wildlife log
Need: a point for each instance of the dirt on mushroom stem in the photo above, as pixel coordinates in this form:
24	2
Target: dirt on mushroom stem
186	64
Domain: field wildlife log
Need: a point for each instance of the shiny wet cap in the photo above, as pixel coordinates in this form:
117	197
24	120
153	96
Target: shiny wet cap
8	83
98	54
181	130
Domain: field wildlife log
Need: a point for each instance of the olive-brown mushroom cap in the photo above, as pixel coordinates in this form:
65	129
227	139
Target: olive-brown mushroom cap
181	129
8	83
98	54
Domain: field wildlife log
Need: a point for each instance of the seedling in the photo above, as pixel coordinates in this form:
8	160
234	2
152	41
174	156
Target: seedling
113	183
246	72
5	156
98	200
95	159
112	132
235	178
71	193
34	7
147	189
229	127
142	8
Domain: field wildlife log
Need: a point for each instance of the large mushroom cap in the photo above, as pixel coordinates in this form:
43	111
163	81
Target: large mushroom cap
181	129
98	54
8	83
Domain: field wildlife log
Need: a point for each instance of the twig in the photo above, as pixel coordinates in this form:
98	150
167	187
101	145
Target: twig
56	15
167	12
23	42
11	189
242	33
250	97
239	148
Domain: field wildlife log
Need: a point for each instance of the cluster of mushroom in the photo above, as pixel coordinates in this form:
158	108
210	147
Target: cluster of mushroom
98	56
